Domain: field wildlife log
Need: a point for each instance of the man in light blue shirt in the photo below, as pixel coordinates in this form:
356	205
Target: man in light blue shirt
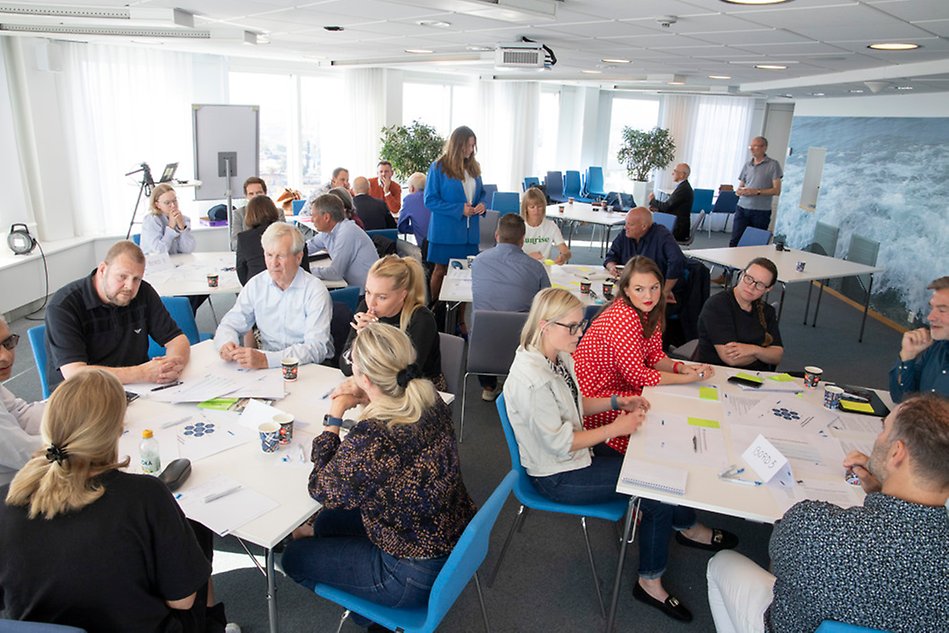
351	249
292	309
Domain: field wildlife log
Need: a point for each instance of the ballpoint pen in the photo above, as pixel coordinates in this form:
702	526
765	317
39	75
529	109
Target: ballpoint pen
743	482
214	496
168	386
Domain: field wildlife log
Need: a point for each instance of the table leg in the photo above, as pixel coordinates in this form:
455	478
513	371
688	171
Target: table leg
627	526
784	288
866	307
817	308
807	306
271	592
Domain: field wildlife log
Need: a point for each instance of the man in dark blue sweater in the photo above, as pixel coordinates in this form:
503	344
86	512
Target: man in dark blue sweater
642	237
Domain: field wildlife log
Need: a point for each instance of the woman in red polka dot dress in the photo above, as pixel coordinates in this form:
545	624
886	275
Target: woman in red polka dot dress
621	351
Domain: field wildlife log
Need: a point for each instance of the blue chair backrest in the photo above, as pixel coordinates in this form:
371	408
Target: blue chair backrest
15	626
530	180
620	200
510	437
665	219
754	237
488	192
829	626
505	202
297	206
180	310
348	295
468	554
37	336
392	234
702	200
137	238
727	202
554	183
594	181
571	184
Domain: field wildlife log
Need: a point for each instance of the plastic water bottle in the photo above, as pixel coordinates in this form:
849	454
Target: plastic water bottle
148	453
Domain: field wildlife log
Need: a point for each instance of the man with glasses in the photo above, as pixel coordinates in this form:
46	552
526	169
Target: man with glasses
737	327
643	237
758	183
924	353
19	420
679	203
505	279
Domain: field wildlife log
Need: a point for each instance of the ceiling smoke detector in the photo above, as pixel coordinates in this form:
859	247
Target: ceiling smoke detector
665	21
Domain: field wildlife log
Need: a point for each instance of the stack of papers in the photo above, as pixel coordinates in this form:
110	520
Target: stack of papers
223	504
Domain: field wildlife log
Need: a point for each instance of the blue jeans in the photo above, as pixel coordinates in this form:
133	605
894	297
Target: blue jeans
597	484
760	219
340	554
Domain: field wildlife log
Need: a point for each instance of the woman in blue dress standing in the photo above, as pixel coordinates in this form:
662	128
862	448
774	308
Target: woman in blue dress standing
453	194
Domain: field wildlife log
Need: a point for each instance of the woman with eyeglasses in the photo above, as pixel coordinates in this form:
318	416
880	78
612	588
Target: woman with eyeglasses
570	464
19	420
165	229
738	327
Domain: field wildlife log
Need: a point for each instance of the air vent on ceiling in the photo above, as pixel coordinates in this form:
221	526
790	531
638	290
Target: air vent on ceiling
522	55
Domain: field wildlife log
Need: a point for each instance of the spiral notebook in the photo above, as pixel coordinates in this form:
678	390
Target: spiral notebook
655	476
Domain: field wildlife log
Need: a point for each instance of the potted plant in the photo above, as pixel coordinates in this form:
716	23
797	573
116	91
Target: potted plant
641	153
410	148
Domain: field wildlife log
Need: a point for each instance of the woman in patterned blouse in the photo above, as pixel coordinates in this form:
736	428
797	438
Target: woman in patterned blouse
621	352
385	531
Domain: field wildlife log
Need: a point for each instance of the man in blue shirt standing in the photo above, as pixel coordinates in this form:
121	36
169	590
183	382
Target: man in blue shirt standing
758	183
924	354
643	237
505	278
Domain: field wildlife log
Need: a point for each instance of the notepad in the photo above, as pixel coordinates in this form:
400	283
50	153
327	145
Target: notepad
655	476
860	407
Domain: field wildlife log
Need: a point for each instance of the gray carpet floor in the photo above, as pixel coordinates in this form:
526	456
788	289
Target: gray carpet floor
545	583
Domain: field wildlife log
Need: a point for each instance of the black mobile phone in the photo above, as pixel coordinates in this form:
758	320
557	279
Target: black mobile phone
738	380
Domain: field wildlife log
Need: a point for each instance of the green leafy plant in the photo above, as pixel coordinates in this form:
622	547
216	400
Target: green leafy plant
410	148
644	151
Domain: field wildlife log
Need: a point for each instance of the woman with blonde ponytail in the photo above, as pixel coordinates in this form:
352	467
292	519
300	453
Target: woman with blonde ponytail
385	530
395	295
87	545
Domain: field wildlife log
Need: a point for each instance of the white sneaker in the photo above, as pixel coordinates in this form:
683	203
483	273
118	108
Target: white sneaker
490	395
232	627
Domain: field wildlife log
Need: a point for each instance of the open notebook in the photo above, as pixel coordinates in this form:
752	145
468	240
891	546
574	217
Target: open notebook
655	476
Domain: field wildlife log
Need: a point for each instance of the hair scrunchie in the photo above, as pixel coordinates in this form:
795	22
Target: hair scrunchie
407	375
56	454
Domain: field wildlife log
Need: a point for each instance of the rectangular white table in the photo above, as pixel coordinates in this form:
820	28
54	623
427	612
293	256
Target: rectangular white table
816	267
704	489
457	285
579	212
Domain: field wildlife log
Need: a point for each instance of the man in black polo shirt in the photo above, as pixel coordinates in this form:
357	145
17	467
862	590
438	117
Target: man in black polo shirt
105	320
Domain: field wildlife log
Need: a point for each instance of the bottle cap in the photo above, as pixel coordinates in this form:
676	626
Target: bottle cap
147	433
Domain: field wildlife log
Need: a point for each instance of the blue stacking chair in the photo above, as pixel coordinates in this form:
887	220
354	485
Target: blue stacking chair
830	626
137	238
297	206
16	626
554	184
665	219
37	336
530	180
702	200
505	202
463	563
392	234
348	295
528	497
622	200
593	186
571	187
180	310
754	237
726	203
488	192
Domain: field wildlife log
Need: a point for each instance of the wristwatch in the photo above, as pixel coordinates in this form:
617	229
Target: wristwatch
331	420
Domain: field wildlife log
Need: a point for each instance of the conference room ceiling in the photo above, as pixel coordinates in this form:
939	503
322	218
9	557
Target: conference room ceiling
670	45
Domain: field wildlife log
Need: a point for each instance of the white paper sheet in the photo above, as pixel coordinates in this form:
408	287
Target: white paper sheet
737	406
787	411
195	390
679	438
256	413
208	436
228	513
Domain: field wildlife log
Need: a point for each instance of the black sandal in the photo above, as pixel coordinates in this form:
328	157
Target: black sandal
721	539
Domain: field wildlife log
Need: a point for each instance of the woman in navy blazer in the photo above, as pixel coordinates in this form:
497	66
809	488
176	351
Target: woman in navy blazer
453	193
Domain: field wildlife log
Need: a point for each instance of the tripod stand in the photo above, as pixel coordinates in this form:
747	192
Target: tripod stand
145	187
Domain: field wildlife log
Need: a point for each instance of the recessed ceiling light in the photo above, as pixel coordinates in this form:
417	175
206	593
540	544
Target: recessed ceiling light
719	76
263	38
592	72
817	94
438	24
479	49
675	83
754	1
418	51
788	96
614	60
904	87
856	91
334	29
893	46
770	67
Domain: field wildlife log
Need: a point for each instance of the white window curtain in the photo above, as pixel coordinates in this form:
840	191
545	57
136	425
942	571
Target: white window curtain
17	206
711	135
357	141
507	131
125	106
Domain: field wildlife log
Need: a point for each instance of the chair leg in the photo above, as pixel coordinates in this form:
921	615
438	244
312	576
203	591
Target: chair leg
342	619
484	612
820	293
520	525
507	541
596	578
461	425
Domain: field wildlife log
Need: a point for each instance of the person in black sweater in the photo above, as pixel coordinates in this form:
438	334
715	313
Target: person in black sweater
374	213
737	327
261	213
679	203
395	295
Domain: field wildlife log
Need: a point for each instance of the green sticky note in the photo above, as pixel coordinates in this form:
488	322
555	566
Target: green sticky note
782	378
218	404
711	424
708	393
750	377
861	407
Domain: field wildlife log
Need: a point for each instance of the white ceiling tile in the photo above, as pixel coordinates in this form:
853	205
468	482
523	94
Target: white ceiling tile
913	10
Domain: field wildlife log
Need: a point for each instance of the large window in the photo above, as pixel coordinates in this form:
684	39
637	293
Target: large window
548	126
640	114
272	93
320	129
443	106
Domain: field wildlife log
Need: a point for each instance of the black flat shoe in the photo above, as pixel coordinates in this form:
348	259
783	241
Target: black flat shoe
721	539
671	607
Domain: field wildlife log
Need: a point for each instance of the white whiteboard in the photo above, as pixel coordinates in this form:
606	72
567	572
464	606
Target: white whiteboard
813	172
231	129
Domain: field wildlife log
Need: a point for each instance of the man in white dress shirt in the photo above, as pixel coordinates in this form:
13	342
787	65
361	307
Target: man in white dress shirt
19	421
292	309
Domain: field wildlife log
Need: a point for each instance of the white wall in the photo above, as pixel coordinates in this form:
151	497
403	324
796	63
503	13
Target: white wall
898	105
